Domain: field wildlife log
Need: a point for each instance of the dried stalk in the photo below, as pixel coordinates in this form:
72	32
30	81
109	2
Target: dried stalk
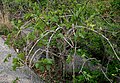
84	63
73	62
50	40
30	63
35	45
106	76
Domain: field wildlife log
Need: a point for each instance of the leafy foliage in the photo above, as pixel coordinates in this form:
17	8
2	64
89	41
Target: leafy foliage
62	29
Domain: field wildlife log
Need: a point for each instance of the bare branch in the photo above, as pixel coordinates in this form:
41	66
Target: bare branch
85	62
35	45
50	40
30	63
73	62
106	76
67	42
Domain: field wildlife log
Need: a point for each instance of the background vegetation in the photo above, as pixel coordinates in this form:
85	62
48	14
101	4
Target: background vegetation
65	40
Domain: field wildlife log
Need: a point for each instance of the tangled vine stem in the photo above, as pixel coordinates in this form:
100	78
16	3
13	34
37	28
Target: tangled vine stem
51	39
22	27
68	42
103	37
106	76
84	64
73	62
35	45
42	50
30	64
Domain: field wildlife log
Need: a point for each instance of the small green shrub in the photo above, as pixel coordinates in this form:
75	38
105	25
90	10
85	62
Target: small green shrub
62	29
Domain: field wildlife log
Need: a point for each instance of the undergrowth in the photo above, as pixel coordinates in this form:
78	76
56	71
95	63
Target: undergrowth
48	34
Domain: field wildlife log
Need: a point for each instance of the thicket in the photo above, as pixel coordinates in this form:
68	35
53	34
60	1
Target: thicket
51	36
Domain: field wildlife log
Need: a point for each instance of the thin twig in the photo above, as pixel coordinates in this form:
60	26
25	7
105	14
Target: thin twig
73	62
35	45
25	24
67	42
34	55
106	76
23	27
51	39
84	63
66	16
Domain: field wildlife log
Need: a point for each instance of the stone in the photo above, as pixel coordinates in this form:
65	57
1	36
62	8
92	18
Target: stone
78	62
7	75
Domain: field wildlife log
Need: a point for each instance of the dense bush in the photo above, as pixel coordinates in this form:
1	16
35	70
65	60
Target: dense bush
49	34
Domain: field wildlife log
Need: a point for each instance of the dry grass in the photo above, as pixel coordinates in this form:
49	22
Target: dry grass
4	19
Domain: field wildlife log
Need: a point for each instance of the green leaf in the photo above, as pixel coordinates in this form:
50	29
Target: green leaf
81	78
15	60
19	21
21	56
89	76
37	65
5	60
42	69
92	25
60	35
28	15
49	62
7	57
31	36
15	81
48	67
77	14
69	59
79	50
81	35
83	55
14	67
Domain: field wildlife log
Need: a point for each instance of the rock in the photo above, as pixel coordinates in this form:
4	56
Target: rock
7	75
78	62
